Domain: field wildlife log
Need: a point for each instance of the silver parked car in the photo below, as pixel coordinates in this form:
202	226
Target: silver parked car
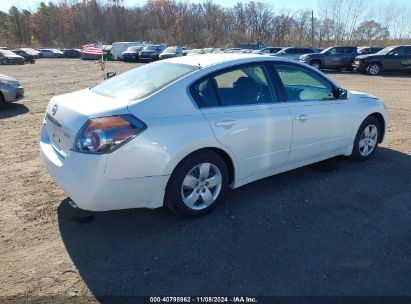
10	90
293	52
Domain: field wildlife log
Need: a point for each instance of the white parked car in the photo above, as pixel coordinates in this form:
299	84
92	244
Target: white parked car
181	131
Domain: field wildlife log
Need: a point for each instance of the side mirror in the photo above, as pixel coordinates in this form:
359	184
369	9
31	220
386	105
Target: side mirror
340	93
110	74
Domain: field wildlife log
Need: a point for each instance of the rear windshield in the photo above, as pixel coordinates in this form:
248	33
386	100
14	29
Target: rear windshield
142	81
133	48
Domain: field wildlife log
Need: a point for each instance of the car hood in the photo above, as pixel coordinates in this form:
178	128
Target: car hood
13	56
362	95
4	77
312	55
372	56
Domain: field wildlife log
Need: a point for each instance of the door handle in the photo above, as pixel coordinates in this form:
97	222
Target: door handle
226	123
301	117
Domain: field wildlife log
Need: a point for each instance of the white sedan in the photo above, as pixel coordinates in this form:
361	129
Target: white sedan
180	132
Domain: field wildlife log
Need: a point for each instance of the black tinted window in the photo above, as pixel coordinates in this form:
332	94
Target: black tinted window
244	86
349	50
407	50
204	93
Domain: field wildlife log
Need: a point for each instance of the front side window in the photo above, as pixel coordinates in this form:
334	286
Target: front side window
143	81
243	86
303	85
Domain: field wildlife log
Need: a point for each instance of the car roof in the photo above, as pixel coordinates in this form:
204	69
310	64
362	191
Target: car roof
207	60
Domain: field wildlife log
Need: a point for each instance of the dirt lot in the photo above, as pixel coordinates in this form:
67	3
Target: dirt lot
336	228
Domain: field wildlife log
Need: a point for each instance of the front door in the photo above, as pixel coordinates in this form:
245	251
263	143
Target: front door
321	123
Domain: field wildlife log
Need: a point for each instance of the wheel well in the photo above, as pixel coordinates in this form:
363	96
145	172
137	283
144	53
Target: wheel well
317	60
381	120
2	97
377	62
227	159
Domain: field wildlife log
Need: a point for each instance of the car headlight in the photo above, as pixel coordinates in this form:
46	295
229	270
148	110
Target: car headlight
106	134
13	83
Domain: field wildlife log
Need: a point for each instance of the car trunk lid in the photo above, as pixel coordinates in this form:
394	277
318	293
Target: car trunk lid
67	113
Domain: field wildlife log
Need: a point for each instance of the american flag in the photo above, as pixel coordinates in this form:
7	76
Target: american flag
92	49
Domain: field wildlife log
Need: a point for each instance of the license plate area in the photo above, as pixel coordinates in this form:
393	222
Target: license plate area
54	131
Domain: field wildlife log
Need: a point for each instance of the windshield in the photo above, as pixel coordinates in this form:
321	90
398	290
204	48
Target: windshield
385	51
142	81
151	48
133	48
7	53
326	50
170	50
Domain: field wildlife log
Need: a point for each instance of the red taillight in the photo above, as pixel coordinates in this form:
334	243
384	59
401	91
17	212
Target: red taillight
105	134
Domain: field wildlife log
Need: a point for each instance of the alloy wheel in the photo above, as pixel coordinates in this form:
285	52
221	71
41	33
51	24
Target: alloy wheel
201	186
374	69
368	140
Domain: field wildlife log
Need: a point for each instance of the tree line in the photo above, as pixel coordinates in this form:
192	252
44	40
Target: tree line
71	23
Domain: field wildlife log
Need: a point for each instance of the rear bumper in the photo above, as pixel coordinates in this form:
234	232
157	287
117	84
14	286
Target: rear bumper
12	93
82	178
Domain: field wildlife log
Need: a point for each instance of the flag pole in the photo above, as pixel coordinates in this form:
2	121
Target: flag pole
102	61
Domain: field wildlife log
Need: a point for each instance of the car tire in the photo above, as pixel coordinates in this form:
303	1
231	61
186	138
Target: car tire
188	192
373	69
367	139
316	64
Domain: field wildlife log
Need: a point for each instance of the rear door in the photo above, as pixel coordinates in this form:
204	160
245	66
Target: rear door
395	59
246	116
349	54
321	123
334	57
406	61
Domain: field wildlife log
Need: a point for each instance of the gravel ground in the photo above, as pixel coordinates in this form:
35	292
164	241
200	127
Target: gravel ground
334	228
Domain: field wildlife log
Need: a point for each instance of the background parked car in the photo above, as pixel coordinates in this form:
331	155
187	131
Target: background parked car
131	53
8	57
394	58
293	52
195	52
10	90
339	57
72	53
51	53
150	52
368	50
270	50
171	52
26	55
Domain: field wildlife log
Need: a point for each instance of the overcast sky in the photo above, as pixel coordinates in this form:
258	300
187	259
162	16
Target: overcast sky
278	4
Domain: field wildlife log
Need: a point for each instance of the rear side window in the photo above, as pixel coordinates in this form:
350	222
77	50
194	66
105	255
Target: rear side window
204	93
348	50
235	87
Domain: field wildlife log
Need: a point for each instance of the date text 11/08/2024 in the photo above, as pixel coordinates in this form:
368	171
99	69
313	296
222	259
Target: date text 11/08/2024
203	300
